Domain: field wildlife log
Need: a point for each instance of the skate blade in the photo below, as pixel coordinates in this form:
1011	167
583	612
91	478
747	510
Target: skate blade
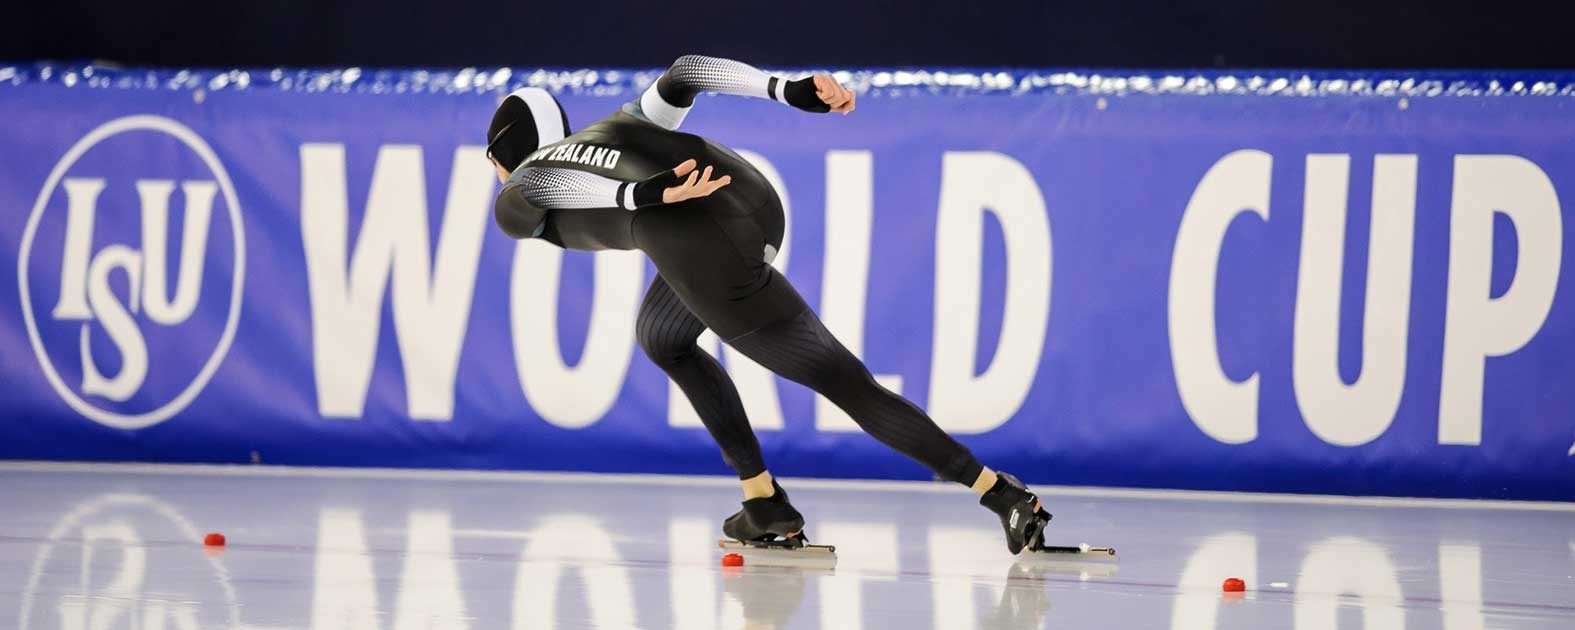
779	554
1080	553
1083	561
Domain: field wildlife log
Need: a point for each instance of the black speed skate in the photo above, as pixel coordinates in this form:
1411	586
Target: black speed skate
768	531
1021	516
767	522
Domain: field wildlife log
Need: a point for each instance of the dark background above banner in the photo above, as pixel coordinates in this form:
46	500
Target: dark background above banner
1146	33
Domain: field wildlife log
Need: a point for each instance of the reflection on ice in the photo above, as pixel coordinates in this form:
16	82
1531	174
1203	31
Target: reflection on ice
415	553
103	606
1024	602
1460	582
952	591
91	570
692	589
572	544
872	558
1347	565
429	592
343	596
1227	554
764	598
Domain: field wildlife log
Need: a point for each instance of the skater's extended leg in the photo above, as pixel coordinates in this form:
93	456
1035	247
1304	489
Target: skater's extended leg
667	330
801	349
985	481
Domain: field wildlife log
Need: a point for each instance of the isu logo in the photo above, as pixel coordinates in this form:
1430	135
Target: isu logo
112	326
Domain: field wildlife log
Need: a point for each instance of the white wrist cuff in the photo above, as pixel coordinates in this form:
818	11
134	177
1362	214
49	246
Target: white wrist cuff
661	112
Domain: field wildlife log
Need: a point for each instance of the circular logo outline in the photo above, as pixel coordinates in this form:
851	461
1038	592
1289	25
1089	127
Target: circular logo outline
200	147
114	500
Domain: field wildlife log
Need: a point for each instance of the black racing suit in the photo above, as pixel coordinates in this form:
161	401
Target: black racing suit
713	256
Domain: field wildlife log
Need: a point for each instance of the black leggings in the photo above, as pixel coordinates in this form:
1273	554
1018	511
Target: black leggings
800	348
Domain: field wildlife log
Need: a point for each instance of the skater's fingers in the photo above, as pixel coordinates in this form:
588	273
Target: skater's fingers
824	86
697	184
715	184
685	167
706	186
834	95
682	191
846	106
829	91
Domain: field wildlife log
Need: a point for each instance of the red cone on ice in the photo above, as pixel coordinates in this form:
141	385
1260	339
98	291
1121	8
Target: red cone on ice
213	539
1234	585
732	560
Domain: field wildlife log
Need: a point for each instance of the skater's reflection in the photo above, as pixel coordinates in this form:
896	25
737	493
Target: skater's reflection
1025	603
768	596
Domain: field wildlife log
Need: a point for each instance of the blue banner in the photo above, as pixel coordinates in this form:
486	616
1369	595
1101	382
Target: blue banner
1303	283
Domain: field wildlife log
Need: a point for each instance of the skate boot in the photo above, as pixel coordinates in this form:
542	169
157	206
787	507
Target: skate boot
1021	516
769	521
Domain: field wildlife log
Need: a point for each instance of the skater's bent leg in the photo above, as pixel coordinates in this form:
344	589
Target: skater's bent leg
802	350
667	330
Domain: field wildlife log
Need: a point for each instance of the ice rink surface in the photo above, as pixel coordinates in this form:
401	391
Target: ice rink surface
98	547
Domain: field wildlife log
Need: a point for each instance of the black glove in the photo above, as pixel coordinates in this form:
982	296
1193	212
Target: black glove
648	192
801	94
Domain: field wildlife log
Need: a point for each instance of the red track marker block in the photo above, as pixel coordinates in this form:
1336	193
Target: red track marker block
213	539
1234	585
732	560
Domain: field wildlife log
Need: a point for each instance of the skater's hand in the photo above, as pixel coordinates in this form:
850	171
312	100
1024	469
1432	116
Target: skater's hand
840	99
696	184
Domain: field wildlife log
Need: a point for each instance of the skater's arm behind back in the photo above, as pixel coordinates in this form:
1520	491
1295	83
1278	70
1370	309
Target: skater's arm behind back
520	208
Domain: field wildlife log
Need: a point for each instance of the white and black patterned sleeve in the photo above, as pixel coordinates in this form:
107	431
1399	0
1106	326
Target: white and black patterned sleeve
568	189
668	101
